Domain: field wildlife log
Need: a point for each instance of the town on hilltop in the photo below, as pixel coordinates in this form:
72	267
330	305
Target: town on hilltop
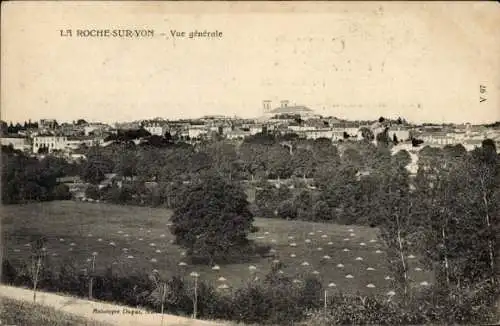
65	138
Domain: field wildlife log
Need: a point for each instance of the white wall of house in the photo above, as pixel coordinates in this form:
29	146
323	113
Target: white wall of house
196	132
156	130
50	142
402	135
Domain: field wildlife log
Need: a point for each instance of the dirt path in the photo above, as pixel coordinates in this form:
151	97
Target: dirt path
99	311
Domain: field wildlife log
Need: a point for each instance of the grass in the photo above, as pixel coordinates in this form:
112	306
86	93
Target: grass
13	312
84	223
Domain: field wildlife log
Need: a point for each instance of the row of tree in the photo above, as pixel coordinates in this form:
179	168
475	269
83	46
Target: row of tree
26	179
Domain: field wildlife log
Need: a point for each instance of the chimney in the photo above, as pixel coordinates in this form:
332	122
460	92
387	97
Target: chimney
284	103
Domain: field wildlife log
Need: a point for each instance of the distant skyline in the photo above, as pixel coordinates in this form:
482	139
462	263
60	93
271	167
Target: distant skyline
423	61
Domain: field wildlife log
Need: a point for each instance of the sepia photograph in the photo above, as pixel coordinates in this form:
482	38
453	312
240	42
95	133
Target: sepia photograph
250	163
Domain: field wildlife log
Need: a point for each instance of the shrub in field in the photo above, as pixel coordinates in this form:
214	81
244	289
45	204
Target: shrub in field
269	198
251	305
284	298
69	278
9	272
93	192
61	192
321	211
287	210
254	229
311	294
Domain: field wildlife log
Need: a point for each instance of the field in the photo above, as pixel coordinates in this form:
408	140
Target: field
136	239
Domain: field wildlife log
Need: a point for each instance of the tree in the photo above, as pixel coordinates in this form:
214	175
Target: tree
303	205
367	134
302	162
213	219
96	166
268	198
483	192
168	137
391	207
277	161
287	210
147	167
224	158
321	211
93	192
402	158
383	137
26	179
126	165
61	192
457	195
3	128
251	156
416	142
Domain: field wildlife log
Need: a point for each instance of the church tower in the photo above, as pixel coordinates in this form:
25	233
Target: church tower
266	106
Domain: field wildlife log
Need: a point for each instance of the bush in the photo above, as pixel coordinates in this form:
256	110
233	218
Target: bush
276	300
476	309
61	192
251	304
287	210
321	211
9	273
93	192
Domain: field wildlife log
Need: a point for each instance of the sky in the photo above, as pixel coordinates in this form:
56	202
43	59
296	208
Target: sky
419	60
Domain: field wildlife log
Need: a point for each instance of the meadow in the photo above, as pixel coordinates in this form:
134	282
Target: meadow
133	239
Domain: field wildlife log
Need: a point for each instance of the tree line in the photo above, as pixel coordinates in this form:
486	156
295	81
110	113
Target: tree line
26	179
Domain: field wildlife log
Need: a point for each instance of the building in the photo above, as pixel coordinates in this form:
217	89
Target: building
17	142
237	134
402	134
47	124
73	143
437	138
196	131
471	144
97	129
49	142
127	125
156	128
288	110
317	133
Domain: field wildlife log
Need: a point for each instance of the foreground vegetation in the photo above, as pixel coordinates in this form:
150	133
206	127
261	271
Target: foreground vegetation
275	300
14	312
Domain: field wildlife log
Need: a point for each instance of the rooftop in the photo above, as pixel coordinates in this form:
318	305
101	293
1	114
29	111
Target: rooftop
290	109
